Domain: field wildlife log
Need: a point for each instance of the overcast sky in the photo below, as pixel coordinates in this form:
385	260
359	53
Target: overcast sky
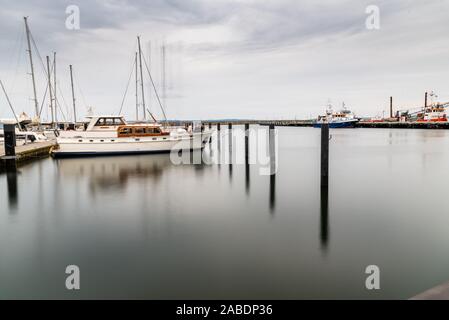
231	59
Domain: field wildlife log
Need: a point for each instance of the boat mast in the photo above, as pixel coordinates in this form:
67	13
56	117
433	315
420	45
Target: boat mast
149	68
137	90
73	95
54	89
50	92
163	75
27	29
141	79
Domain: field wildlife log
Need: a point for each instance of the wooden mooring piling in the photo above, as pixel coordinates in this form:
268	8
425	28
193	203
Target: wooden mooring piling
12	155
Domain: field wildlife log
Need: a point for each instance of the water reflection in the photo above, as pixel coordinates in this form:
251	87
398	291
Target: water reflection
324	216
11	177
247	169
247	178
114	172
272	193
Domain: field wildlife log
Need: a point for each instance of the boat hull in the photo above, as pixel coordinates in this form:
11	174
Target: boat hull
89	147
340	124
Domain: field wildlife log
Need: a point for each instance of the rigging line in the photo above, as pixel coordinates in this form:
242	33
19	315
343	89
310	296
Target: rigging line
155	91
10	105
75	80
45	95
38	54
43	68
43	101
62	111
127	86
63	100
132	69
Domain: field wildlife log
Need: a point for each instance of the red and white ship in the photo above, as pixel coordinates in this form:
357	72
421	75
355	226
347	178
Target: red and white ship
436	112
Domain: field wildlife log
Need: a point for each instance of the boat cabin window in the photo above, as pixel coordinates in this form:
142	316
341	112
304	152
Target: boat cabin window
109	122
140	131
126	131
153	130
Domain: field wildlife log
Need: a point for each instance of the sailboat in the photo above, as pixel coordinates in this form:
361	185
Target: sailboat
113	135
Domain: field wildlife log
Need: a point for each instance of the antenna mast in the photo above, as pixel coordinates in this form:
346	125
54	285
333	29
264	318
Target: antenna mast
54	88
164	85
137	90
149	67
73	95
141	79
27	29
50	92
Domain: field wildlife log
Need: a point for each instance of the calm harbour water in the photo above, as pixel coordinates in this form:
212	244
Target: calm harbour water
141	227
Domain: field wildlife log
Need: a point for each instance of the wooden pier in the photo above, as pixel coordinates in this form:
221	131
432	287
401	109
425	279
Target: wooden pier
309	123
28	152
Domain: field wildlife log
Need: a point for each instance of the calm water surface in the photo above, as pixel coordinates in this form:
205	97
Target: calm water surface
141	227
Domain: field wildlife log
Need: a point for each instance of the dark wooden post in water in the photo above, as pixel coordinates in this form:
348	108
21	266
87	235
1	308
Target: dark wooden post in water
246	143
324	155
10	140
219	143
324	194
230	149
272	150
10	146
391	107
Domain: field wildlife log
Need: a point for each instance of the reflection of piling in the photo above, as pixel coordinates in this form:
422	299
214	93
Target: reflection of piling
324	217
272	192
272	150
11	177
247	172
324	155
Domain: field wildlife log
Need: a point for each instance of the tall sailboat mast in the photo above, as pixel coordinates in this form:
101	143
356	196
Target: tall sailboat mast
137	90
141	79
27	30
163	76
54	89
73	94
50	91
